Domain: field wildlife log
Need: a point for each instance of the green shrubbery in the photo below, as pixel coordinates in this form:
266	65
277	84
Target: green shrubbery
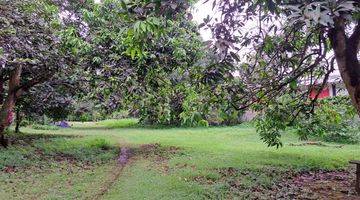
333	120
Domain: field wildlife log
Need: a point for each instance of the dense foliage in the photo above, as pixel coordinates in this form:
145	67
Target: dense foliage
155	66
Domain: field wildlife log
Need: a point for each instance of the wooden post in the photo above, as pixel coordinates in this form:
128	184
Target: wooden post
357	183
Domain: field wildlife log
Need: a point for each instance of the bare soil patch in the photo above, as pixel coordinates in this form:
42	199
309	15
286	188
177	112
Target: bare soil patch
318	185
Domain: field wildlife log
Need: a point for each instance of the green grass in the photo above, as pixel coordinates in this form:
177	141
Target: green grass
79	162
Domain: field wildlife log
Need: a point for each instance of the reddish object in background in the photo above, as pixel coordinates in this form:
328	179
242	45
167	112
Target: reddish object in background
323	94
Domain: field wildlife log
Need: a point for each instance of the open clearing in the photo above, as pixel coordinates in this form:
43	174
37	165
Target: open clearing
172	163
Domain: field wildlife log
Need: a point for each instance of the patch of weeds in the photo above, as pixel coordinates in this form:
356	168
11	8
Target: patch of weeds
100	144
44	151
44	127
83	150
157	151
239	183
208	178
15	157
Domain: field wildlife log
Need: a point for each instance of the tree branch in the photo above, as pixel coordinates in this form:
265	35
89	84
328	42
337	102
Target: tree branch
29	84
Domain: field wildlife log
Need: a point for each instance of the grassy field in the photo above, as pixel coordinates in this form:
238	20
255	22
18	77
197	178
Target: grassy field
166	163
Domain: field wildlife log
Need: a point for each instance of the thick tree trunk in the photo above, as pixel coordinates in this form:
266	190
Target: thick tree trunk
351	77
346	49
6	111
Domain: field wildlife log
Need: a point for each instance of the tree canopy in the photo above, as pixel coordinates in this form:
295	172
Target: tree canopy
287	47
31	50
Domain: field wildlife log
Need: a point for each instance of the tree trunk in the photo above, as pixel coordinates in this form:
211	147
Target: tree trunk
6	111
18	121
346	49
1	91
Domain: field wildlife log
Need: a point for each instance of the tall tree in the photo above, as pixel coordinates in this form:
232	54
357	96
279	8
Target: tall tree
138	57
285	45
30	51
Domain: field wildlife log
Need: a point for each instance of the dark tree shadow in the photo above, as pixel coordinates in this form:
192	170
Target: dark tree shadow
30	138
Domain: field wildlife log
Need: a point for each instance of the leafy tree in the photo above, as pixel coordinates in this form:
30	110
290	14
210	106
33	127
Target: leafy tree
285	45
138	58
30	51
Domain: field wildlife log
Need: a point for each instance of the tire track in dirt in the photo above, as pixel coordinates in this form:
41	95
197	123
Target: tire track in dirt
128	155
125	159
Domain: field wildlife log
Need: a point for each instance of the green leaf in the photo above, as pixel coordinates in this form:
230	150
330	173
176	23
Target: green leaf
123	5
293	85
143	27
133	53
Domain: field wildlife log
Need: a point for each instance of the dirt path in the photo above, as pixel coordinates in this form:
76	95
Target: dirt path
128	156
125	159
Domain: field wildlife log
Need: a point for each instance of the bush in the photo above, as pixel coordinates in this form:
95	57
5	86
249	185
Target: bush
121	114
203	123
333	120
97	116
86	117
351	136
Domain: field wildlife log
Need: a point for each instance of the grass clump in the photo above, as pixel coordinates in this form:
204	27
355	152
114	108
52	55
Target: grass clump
44	127
43	151
78	149
15	157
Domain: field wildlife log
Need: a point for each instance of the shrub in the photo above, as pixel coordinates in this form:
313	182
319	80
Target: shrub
97	116
203	123
333	120
121	114
86	117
